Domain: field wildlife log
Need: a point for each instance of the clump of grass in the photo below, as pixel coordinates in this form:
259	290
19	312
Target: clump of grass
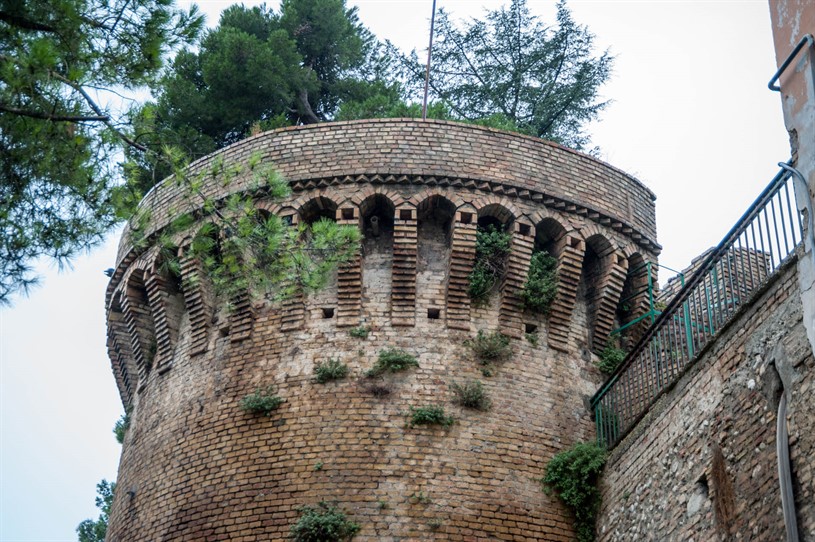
429	415
263	401
392	360
471	394
360	332
322	523
333	369
490	347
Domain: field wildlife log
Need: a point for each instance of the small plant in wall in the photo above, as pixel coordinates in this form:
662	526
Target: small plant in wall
392	360
263	401
540	288
610	358
573	476
429	415
360	332
492	246
471	394
121	427
323	523
490	348
332	369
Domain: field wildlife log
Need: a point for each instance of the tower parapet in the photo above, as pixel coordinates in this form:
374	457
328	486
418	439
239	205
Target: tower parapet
194	466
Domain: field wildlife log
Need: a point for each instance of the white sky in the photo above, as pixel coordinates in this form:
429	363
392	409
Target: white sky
691	117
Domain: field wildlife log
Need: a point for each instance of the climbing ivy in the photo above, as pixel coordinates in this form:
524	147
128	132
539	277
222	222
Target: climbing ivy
573	476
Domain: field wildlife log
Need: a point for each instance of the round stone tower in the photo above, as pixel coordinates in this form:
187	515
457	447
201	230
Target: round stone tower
195	466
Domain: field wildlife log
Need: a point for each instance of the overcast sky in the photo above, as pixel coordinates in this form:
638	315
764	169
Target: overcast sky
691	117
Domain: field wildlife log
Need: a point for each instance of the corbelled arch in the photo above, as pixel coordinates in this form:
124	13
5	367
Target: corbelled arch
517	268
315	208
138	316
165	290
603	274
120	350
634	300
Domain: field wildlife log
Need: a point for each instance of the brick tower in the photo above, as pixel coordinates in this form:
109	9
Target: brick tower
195	466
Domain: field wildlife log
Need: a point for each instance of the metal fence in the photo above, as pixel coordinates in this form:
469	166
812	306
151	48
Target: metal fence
749	254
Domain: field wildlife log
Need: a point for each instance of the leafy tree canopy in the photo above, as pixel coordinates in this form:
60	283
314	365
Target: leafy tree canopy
58	60
516	72
95	531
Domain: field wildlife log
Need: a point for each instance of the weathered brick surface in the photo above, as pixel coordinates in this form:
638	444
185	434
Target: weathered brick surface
664	482
195	467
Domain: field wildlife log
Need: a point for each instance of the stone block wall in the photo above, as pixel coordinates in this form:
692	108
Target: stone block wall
702	464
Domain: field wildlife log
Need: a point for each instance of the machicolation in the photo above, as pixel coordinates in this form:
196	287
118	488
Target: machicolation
196	467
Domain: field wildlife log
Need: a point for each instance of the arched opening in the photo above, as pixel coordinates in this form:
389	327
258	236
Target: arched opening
596	263
493	245
541	284
435	220
376	220
549	236
316	209
320	305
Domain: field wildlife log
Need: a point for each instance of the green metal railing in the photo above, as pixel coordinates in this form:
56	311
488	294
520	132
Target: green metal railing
750	253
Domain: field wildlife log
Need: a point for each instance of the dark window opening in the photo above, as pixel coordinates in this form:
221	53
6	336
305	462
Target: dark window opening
433	313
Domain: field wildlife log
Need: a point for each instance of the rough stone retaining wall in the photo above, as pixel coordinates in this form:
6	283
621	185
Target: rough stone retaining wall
702	465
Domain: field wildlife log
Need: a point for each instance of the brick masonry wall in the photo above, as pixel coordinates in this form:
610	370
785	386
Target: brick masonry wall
702	464
195	467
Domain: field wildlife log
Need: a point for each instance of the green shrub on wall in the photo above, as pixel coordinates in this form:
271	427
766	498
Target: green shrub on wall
573	476
492	247
323	523
471	394
490	347
333	369
610	358
429	415
263	401
392	360
540	288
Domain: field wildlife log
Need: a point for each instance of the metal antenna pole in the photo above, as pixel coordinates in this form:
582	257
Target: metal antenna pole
429	54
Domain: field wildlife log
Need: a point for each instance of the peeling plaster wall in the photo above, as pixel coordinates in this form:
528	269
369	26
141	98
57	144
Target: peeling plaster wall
791	21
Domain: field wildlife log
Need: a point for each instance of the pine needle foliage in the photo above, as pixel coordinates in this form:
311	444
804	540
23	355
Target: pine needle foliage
573	476
241	249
